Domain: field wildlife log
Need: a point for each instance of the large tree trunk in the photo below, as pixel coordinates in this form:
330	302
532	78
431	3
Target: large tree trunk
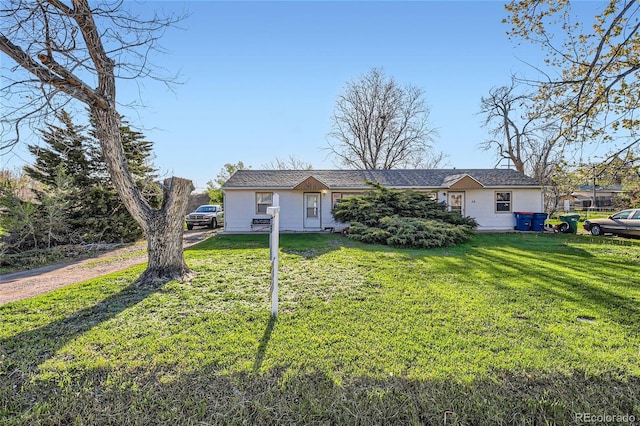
164	234
163	228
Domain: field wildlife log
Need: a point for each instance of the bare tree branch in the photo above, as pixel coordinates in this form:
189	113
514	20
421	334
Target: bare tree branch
379	125
597	88
74	55
521	135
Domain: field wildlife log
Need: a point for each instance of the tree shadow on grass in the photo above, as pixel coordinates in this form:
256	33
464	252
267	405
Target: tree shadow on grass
23	353
565	279
284	396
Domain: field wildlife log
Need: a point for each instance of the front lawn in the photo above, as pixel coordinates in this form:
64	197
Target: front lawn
506	329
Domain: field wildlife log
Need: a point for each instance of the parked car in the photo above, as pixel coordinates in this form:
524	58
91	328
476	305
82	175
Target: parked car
207	215
625	222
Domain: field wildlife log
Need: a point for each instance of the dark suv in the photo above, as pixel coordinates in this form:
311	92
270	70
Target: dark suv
209	215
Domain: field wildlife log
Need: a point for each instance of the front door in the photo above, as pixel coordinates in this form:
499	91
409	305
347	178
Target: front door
456	202
311	210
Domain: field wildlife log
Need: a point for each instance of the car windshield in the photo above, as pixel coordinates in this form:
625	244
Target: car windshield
206	209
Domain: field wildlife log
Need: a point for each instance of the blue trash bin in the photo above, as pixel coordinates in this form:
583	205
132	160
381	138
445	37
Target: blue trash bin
537	224
523	220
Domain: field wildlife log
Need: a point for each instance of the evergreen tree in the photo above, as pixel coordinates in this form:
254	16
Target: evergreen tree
67	144
93	210
105	211
63	153
18	219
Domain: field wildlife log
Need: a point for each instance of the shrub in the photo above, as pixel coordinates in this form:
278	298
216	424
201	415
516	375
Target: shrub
424	233
402	219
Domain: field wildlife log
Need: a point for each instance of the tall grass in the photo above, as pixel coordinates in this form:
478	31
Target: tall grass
507	329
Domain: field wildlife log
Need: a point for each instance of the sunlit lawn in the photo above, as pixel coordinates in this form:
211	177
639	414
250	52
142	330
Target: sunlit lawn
507	329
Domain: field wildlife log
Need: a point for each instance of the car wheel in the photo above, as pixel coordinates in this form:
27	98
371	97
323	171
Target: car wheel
595	230
213	223
564	227
189	227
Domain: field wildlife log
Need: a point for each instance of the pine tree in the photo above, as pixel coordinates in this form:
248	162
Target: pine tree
63	153
66	150
93	209
107	212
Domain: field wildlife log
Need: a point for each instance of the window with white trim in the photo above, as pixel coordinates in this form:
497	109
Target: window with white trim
263	200
503	202
337	196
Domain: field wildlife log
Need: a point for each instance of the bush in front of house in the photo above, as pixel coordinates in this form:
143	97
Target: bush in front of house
402	219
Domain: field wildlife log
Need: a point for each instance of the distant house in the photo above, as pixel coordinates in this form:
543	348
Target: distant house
606	198
491	196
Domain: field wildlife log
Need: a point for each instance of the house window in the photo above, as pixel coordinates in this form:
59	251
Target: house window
337	196
503	202
263	200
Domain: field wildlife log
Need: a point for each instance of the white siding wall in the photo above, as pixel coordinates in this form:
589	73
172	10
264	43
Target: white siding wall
480	204
240	209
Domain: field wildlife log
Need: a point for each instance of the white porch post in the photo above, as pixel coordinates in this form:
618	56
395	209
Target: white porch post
274	242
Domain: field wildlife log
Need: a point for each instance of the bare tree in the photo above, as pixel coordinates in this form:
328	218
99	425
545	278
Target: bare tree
377	124
511	136
521	135
290	163
70	51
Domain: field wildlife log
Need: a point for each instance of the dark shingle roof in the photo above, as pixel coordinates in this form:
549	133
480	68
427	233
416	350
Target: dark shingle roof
356	179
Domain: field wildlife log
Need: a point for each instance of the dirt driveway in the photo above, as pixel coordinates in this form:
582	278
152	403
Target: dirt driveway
25	284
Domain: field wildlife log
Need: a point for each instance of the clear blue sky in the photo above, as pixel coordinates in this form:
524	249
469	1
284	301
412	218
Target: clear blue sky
260	79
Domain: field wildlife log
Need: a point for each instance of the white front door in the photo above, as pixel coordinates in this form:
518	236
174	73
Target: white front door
312	210
456	202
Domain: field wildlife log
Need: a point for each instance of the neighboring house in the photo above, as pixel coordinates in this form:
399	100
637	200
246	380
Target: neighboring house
491	196
605	197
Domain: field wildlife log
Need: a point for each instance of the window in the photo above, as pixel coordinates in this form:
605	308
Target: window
503	202
456	202
622	215
312	201
337	196
263	200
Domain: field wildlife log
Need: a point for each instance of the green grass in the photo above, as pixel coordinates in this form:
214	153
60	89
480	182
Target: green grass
506	329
